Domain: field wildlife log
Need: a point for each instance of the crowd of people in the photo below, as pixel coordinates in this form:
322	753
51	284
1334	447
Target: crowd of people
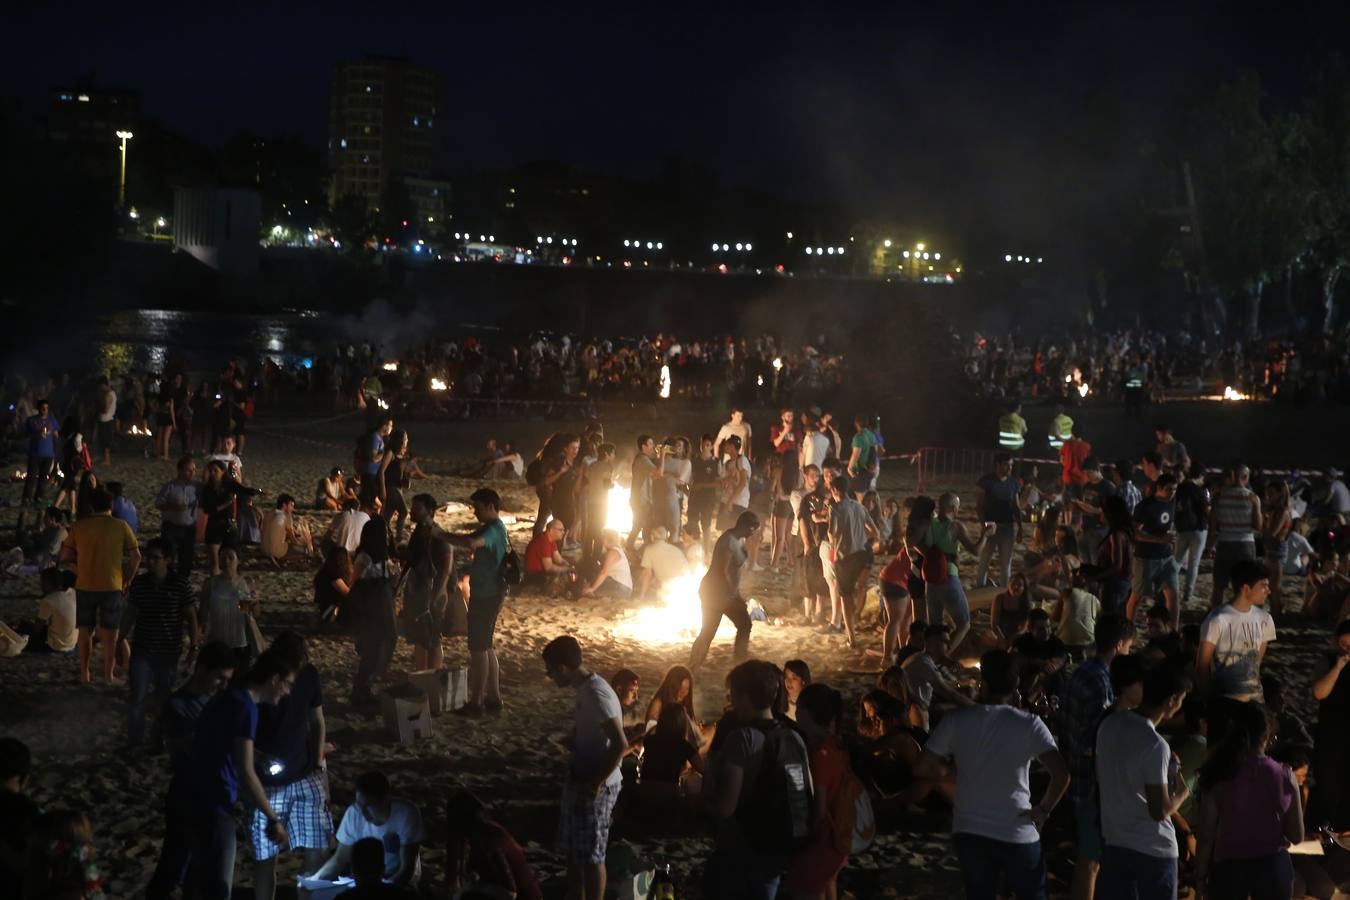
1173	760
1074	365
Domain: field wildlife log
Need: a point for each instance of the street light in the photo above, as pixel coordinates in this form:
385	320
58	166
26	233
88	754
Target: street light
886	243
124	136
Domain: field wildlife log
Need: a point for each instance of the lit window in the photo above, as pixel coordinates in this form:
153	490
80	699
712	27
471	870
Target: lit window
66	97
343	143
83	98
417	120
367	89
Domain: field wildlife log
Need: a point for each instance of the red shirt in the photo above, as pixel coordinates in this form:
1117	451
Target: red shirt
789	444
1071	457
540	549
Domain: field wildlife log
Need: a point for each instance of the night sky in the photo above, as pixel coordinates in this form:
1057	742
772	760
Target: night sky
944	114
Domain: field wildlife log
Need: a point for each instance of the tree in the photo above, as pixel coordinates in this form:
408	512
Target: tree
1252	191
352	222
1326	116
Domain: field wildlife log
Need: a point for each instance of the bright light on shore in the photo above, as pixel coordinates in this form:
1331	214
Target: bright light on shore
618	514
438	385
675	619
390	367
1231	393
665	382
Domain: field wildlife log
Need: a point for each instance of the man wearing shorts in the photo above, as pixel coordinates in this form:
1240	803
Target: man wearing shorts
593	780
488	544
105	556
1155	538
851	533
425	599
289	760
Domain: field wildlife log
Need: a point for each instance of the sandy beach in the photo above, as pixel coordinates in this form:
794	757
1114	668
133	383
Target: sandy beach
514	761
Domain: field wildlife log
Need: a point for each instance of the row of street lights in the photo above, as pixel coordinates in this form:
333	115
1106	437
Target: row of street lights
1008	257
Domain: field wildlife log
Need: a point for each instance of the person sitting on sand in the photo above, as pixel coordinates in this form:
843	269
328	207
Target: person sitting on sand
796	675
346	528
330	492
284	539
54	629
482	858
627	685
394	821
671	750
546	570
368	873
614	580
676	689
928	683
41	548
662	562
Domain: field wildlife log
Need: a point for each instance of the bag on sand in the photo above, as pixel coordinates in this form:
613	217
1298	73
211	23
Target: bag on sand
407	713
446	689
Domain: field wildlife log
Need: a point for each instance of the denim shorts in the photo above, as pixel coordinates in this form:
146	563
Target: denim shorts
482	616
98	609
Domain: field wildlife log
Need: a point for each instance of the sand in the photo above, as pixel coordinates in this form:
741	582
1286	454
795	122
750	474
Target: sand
515	761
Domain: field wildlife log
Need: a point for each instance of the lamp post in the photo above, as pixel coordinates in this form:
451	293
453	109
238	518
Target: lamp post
122	176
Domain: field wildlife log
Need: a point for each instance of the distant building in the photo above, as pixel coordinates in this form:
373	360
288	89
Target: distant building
83	121
385	118
218	227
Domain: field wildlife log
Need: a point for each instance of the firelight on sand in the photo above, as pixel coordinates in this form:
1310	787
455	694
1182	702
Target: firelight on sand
675	619
139	432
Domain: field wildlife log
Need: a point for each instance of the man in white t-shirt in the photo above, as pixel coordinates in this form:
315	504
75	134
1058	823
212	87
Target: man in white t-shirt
57	609
107	413
282	536
662	562
394	821
736	426
996	828
593	781
1140	786
346	528
1233	639
816	446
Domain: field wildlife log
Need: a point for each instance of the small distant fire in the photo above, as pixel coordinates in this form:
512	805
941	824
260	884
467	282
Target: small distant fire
1231	393
618	514
665	382
390	367
438	385
1084	390
676	619
137	431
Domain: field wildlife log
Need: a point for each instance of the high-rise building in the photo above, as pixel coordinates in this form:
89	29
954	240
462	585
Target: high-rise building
385	118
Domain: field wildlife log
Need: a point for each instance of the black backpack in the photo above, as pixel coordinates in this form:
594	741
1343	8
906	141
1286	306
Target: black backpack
775	815
510	572
534	472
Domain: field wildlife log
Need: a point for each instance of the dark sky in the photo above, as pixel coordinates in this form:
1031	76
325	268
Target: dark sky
907	112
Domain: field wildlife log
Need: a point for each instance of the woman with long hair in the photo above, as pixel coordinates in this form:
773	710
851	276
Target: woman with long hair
781	510
394	505
1276	522
796	676
1115	556
372	610
217	504
1250	812
75	461
1011	606
333	583
676	688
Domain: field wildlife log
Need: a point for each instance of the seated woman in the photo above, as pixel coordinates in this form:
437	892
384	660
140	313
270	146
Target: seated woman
1008	614
333	583
796	675
614	580
670	752
482	858
887	749
893	682
676	689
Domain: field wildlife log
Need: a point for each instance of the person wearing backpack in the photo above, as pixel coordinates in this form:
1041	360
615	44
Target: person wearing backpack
486	589
995	827
943	583
842	817
758	787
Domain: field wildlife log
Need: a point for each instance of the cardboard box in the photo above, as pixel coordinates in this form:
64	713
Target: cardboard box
407	713
446	689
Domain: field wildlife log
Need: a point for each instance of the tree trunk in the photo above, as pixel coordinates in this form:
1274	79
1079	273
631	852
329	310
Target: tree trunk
1329	279
1255	289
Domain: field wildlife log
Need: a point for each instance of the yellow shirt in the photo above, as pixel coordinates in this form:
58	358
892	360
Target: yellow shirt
100	542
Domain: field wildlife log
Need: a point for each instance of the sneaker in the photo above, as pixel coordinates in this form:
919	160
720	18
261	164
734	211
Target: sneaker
470	711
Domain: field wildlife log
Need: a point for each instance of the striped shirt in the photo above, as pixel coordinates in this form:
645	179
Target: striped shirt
1233	510
159	607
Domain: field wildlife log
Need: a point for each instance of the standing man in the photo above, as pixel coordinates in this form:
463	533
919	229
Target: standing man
1061	428
177	505
220	764
488	543
1072	456
813	524
720	590
1192	523
815	444
289	761
740	428
1012	429
1088	698
640	487
1233	641
1140	785
862	460
996	827
997	494
42	432
1172	451
426	598
1155	565
593	780
1092	527
851	533
1234	523
105	556
158	605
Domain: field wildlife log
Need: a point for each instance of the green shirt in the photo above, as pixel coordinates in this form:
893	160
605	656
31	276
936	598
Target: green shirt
865	442
484	578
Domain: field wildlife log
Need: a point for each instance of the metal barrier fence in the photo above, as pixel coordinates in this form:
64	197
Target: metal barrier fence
943	465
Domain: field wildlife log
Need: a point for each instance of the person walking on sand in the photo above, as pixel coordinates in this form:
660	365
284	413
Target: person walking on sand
720	591
104	553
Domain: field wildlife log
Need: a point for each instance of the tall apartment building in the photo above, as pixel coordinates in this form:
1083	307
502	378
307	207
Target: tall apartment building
385	116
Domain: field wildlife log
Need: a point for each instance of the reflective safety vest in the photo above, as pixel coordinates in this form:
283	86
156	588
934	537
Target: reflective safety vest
1061	429
1134	379
1012	430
